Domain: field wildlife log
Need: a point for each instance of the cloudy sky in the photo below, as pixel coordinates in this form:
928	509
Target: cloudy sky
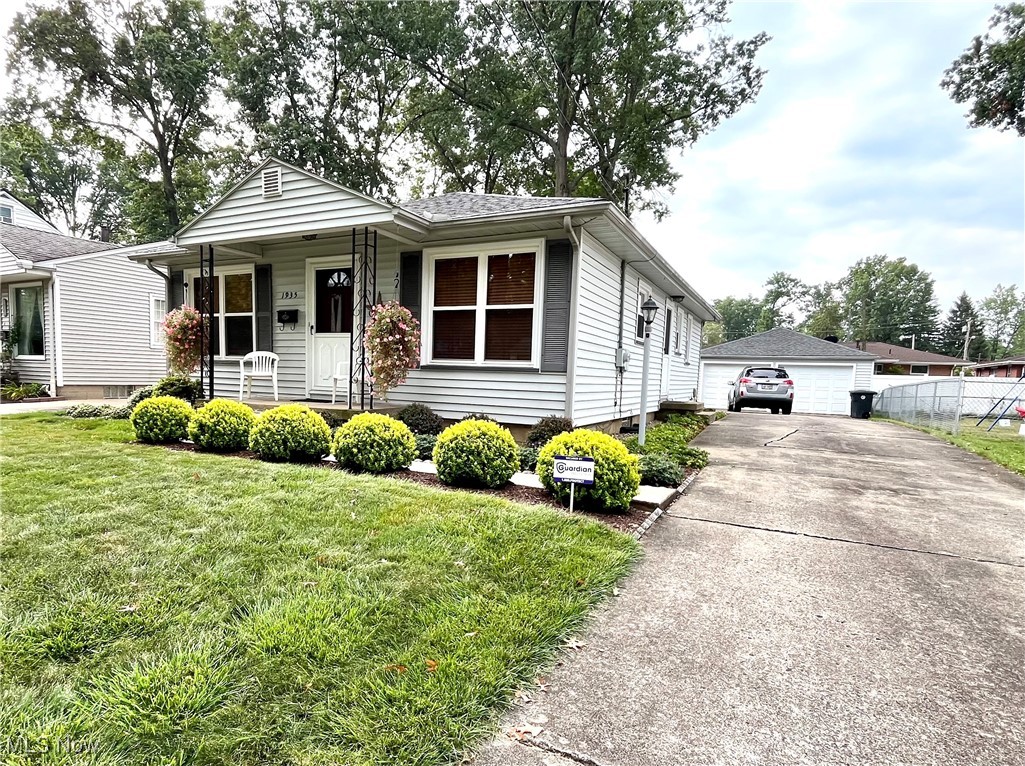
851	149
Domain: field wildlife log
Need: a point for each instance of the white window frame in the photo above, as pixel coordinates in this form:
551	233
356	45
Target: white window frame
9	218
911	369
643	293
14	318
156	330
678	327
219	274
481	251
688	331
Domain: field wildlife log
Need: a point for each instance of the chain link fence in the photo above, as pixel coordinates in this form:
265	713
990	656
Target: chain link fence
943	404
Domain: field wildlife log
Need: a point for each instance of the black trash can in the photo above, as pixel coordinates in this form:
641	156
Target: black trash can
861	403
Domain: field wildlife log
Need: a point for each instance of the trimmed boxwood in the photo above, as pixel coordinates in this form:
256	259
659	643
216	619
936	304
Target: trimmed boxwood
476	453
161	419
660	470
528	458
425	446
421	419
546	429
374	443
616	474
222	426
180	386
291	432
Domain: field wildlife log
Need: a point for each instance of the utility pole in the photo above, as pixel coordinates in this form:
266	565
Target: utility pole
967	338
912	336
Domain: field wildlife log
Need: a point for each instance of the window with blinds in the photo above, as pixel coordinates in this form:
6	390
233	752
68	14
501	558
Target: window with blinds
483	308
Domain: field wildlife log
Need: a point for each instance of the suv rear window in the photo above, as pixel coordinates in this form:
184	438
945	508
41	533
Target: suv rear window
767	372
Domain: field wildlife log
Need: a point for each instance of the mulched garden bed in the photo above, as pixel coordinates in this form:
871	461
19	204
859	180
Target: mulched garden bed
627	521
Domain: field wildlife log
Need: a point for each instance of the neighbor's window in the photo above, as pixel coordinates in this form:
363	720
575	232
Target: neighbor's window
157	310
234	318
483	306
6	214
643	293
28	317
919	369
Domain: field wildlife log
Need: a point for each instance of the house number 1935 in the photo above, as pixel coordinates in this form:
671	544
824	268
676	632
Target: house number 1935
289	295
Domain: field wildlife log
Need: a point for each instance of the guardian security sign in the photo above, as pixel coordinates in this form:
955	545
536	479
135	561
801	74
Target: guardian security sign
573	470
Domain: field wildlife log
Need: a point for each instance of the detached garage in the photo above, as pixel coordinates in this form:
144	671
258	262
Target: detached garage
823	372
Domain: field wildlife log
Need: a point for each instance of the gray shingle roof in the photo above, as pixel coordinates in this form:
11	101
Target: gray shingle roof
893	353
458	206
783	343
38	246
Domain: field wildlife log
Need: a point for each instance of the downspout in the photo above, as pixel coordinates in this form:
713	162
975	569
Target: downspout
165	276
53	334
574	306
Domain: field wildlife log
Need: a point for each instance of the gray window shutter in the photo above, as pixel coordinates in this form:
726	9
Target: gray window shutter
410	277
176	290
264	301
558	294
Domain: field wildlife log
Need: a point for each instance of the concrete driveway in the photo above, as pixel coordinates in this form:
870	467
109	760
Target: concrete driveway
830	591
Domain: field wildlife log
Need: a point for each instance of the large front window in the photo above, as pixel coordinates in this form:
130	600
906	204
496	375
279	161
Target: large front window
28	320
483	306
234	319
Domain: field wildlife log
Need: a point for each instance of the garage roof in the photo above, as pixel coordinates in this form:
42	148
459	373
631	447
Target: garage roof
784	343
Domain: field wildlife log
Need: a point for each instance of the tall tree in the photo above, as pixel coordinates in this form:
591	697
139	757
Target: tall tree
313	92
886	298
782	291
602	93
823	312
1003	312
955	329
138	72
739	316
990	74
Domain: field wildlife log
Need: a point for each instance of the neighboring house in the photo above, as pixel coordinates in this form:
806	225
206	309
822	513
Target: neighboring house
15	212
900	360
528	306
823	372
83	316
1011	367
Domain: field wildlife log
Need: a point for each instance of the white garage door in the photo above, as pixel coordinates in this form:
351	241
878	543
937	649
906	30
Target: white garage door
820	389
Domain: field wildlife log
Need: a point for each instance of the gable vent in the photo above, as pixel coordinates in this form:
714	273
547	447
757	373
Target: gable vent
272	182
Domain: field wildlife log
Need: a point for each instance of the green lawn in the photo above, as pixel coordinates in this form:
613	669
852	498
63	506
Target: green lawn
1001	445
179	608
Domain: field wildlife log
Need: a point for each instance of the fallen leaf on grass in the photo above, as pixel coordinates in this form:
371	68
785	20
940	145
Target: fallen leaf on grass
524	731
471	634
581	582
128	608
432	665
396	668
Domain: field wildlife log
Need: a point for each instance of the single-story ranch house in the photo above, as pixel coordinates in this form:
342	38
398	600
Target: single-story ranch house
529	306
900	360
78	315
1010	367
823	372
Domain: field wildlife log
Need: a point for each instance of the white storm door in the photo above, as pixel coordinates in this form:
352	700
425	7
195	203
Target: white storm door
329	319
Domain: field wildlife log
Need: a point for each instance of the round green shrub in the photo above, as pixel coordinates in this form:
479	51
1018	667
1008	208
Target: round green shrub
659	469
528	459
421	419
546	429
374	443
138	395
222	426
425	446
180	386
476	453
291	432
616	474
161	419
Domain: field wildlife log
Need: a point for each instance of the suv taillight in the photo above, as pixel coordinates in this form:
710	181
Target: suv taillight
745	380
788	382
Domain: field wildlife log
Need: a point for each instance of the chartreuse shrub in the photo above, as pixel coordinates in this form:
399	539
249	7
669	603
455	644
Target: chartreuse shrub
421	419
291	432
660	470
161	419
616	474
476	453
374	443
692	457
547	428
222	426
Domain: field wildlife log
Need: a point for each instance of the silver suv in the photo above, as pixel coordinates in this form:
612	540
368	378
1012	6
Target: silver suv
769	387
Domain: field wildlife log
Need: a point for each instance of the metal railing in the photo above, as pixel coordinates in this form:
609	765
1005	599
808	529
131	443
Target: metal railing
942	404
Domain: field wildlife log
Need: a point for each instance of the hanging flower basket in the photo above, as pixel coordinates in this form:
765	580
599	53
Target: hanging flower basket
183	331
392	340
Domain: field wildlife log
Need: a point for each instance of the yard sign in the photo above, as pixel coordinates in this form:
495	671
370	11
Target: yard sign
573	471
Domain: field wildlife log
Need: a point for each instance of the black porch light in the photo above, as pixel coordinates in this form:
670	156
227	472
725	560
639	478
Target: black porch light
648	309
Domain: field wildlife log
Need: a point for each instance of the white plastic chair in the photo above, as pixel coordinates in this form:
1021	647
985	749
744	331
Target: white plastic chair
264	365
341	373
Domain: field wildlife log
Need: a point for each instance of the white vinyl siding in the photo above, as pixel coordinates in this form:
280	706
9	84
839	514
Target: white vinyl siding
305	204
23	216
106	322
683	376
